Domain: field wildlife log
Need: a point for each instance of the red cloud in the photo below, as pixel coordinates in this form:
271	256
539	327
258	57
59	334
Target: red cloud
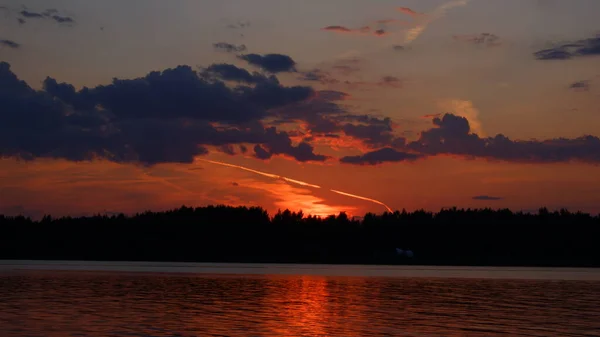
339	29
408	11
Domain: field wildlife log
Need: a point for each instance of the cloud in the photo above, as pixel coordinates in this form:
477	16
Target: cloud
467	110
332	95
373	135
31	15
318	75
390	81
50	12
580	86
239	25
227	149
438	13
586	47
408	11
384	155
155	95
229	48
229	72
167	116
10	44
261	153
280	143
340	29
63	19
483	39
487	198
365	30
274	63
398	47
452	135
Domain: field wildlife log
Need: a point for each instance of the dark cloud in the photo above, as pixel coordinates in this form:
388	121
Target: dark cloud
229	72
380	32
155	95
261	153
487	198
229	48
235	184
168	116
586	47
321	113
323	116
384	155
274	63
63	19
239	25
10	44
365	30
311	76
373	134
332	95
580	86
452	135
399	48
483	39
31	15
33	124
280	143
347	66
318	75
390	81
21	21
50	12
227	149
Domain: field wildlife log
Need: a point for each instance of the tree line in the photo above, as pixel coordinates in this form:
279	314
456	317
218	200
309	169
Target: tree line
483	237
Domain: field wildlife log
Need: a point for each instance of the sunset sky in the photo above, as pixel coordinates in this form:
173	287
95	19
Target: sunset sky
123	106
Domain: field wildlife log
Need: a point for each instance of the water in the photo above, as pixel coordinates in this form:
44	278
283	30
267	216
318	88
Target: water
294	301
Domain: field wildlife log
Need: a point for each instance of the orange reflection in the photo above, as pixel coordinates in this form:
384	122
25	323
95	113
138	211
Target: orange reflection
303	307
317	306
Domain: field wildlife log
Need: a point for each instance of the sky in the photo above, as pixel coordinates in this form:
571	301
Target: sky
320	106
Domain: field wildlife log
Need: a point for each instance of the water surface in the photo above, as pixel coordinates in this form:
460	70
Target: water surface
92	303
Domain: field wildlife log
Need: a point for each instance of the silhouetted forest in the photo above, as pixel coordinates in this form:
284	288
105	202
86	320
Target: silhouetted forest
240	234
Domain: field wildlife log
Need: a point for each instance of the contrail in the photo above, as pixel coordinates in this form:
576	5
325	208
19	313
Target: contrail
363	198
166	182
437	13
294	181
274	176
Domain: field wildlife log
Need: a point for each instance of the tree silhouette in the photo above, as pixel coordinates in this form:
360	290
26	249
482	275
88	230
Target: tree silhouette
241	234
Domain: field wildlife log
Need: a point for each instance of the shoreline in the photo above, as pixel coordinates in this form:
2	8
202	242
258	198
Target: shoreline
325	270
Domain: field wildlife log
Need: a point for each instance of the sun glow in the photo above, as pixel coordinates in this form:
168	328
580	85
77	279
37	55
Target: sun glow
320	210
